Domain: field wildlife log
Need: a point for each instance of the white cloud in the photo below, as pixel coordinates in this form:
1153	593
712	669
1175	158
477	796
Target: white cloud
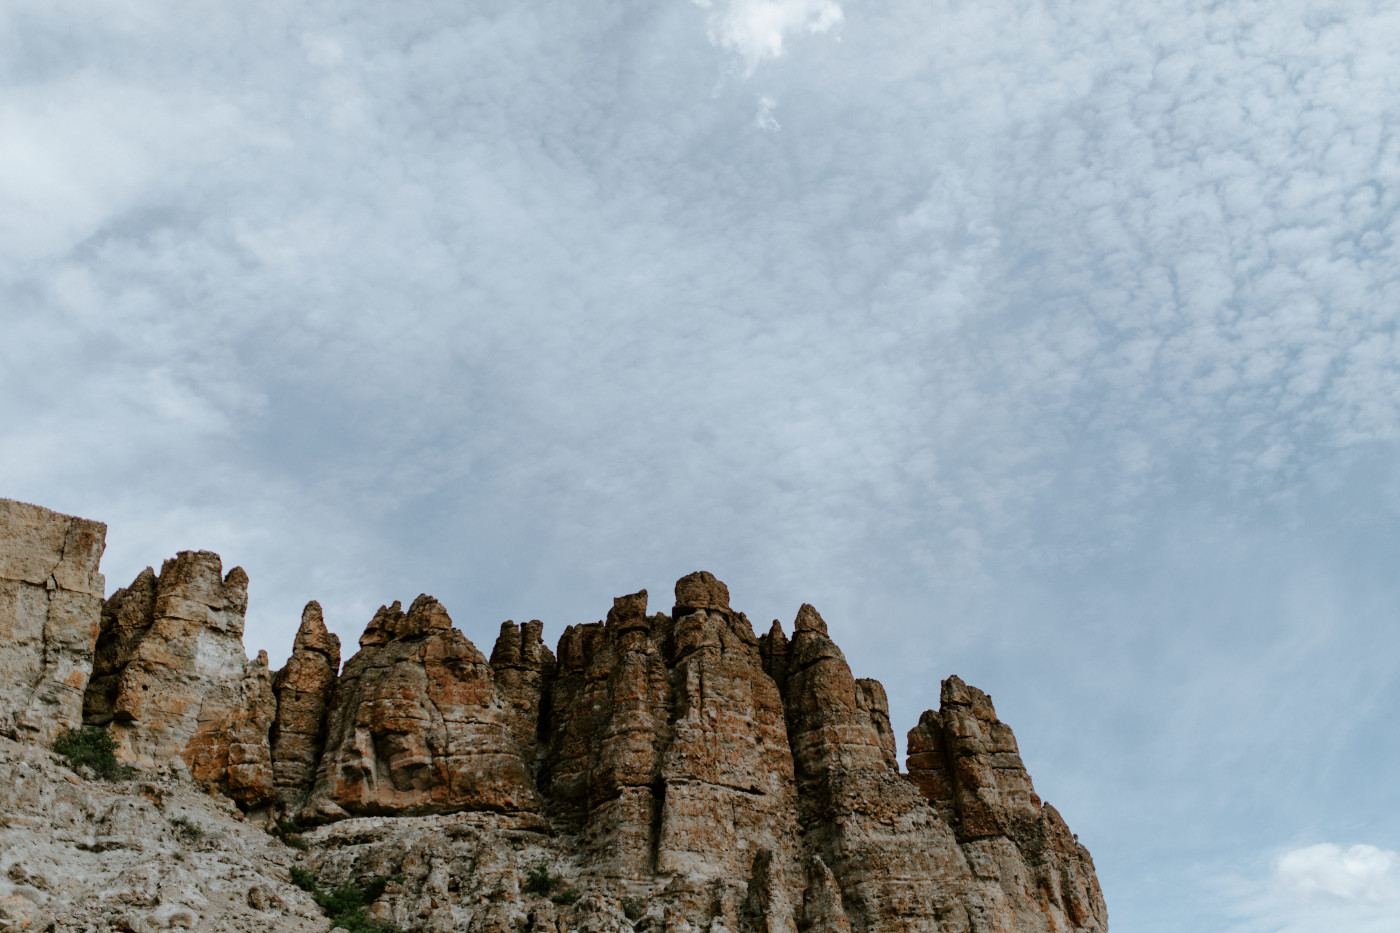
765	119
1360	874
759	29
1325	888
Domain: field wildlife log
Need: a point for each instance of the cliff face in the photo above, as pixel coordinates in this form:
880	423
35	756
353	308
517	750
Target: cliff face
674	769
50	610
416	725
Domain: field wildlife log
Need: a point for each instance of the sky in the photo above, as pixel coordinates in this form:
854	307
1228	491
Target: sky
1048	344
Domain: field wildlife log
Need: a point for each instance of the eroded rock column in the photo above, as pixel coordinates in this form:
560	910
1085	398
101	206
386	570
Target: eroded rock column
303	688
417	726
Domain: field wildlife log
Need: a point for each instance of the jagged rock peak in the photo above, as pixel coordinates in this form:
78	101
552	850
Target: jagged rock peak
629	612
700	590
424	617
303	689
312	635
808	620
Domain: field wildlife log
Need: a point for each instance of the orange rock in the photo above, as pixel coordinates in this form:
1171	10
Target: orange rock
303	688
417	726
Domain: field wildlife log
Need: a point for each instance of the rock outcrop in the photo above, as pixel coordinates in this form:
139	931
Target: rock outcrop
416	725
50	613
172	683
303	689
666	773
966	764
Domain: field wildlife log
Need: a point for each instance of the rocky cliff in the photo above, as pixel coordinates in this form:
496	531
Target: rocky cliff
50	610
660	772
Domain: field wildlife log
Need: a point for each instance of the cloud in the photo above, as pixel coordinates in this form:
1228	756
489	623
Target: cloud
1324	888
757	30
765	119
1050	344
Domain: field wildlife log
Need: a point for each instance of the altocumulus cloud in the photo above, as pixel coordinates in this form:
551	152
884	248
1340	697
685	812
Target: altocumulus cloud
1052	344
1325	888
759	29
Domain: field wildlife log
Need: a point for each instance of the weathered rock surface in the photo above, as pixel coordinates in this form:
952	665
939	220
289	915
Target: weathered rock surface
416	725
667	773
50	612
172	684
966	764
146	855
303	689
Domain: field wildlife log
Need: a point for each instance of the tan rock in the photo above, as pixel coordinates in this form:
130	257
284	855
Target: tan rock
523	667
822	911
303	688
182	669
230	750
965	762
417	726
50	614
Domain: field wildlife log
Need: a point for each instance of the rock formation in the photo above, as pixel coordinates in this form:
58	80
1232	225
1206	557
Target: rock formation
172	683
966	764
665	773
416	725
50	611
303	689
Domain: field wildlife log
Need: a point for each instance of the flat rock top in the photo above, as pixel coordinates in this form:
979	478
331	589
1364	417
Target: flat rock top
40	543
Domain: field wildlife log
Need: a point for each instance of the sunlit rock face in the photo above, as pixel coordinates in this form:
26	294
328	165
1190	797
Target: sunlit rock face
172	684
1028	864
50	614
673	770
416	726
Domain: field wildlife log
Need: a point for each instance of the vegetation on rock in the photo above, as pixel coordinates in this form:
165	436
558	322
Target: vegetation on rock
92	748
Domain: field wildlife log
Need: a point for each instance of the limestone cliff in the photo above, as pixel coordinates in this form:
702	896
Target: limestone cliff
303	691
50	611
416	725
663	773
173	685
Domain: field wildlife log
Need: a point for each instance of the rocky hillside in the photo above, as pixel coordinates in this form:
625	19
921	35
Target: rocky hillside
659	771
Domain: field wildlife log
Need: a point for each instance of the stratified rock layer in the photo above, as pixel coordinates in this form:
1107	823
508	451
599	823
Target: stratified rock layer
50	612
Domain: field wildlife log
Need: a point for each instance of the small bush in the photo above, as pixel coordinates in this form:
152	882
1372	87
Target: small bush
538	880
634	908
346	904
187	831
92	747
290	828
304	878
567	896
296	842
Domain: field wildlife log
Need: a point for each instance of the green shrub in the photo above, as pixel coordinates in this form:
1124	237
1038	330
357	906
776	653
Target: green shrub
538	880
296	842
92	747
290	828
345	905
567	896
303	878
187	831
